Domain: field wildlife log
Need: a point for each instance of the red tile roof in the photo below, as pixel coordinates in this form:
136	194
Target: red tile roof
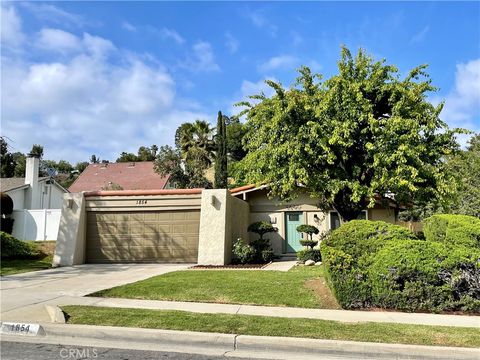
144	192
130	176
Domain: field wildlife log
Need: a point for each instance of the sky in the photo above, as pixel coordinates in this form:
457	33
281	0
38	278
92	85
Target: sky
83	78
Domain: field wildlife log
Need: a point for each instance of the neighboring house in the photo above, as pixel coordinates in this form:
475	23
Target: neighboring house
286	216
126	175
36	203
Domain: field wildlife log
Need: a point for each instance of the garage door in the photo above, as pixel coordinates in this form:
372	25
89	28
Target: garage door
146	236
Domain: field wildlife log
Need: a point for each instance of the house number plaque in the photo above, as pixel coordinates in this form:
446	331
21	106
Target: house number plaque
9	328
141	202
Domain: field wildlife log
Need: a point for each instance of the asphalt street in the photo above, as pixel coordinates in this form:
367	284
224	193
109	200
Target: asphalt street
30	351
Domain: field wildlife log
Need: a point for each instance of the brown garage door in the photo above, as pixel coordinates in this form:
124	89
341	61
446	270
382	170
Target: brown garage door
147	236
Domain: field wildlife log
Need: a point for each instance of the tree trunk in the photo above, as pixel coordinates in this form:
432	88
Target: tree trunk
347	209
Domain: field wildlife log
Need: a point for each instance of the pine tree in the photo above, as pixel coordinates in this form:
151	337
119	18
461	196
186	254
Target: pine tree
221	155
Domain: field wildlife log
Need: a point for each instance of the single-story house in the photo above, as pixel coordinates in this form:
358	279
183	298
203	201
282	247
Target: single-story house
126	175
182	225
304	209
36	203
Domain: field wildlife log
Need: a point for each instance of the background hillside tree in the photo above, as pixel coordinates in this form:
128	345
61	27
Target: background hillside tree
235	131
37	150
363	132
7	163
80	166
192	156
221	174
126	157
20	163
465	166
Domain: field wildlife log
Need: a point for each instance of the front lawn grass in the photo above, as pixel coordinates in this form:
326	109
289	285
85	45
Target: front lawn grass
273	326
17	266
255	287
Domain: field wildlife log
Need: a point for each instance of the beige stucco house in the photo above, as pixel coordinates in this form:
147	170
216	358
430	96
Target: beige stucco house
182	225
304	209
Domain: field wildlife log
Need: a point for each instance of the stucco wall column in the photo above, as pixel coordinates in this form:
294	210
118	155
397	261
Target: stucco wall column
70	248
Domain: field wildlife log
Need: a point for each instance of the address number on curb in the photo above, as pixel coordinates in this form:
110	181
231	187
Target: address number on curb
10	328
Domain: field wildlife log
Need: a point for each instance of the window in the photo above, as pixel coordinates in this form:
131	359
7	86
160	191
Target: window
334	220
293	217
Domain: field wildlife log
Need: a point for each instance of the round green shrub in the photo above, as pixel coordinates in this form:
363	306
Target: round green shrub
360	238
14	248
421	275
453	229
243	253
309	254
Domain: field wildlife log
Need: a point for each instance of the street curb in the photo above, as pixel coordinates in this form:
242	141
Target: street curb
232	345
289	348
56	314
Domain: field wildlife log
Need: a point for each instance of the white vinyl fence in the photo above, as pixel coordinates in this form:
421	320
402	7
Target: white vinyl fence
37	225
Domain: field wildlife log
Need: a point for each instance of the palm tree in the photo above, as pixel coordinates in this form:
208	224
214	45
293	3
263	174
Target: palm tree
195	141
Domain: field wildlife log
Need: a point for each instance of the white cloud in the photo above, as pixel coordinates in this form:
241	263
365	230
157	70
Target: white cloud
129	27
279	62
172	34
83	103
249	88
231	43
53	14
165	33
297	39
97	46
462	104
202	58
420	36
261	21
11	27
58	40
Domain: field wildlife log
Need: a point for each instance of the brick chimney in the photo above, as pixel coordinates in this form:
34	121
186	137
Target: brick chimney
31	178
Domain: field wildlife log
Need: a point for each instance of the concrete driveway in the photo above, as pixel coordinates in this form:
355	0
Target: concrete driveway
24	296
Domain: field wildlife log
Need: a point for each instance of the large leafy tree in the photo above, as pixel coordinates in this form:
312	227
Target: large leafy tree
221	175
363	133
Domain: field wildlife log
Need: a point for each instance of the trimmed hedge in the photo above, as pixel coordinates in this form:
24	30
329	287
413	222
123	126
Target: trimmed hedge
426	276
453	229
362	238
12	248
374	264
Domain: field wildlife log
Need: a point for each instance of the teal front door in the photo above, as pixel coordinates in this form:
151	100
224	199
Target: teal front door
293	237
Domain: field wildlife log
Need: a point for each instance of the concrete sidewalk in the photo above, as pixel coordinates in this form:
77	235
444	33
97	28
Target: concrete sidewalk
37	312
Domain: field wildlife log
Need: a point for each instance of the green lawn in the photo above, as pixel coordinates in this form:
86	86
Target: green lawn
17	266
299	287
272	326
